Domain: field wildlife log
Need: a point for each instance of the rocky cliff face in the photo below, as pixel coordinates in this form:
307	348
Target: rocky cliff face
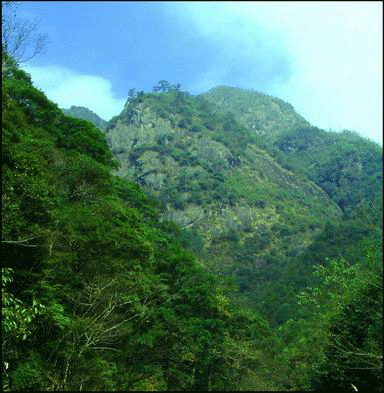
214	180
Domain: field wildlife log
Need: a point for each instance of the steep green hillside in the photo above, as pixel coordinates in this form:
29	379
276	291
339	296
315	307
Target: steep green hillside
84	113
243	213
97	294
346	166
99	291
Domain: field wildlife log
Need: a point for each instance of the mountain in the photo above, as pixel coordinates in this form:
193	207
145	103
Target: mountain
288	212
97	293
240	210
102	290
345	165
84	113
262	114
253	186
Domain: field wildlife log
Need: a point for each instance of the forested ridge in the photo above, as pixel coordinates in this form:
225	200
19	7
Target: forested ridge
176	250
85	114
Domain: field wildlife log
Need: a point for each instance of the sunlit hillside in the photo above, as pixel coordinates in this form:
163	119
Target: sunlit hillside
182	249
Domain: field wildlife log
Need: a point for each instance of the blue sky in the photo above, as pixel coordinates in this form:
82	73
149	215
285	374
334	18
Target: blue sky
325	58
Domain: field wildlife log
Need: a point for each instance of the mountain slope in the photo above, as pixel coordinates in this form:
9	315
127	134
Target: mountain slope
84	113
346	166
262	114
97	295
242	211
195	167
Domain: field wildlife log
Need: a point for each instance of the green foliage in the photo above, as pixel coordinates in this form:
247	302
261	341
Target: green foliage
103	295
29	375
261	114
16	317
191	240
346	166
17	325
86	114
217	173
338	341
85	138
35	105
165	86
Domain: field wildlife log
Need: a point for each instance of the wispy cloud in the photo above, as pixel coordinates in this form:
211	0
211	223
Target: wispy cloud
67	87
245	53
325	58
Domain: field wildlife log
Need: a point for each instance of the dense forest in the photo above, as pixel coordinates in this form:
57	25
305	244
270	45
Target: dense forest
211	242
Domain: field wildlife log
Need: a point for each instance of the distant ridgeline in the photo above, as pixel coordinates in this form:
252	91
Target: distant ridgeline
175	250
83	113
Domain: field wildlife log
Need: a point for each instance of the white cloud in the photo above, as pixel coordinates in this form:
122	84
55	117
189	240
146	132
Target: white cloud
338	51
67	87
335	51
245	53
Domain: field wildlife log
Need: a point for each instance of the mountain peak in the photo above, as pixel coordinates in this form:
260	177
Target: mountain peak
81	112
264	114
